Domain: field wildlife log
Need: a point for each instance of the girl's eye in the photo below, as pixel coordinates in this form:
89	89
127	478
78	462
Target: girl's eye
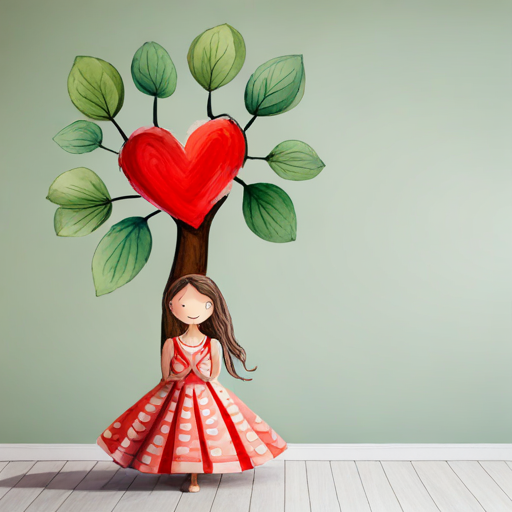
183	305
208	305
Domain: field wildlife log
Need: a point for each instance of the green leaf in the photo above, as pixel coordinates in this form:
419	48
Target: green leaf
96	88
80	137
80	221
84	202
153	71
78	188
121	254
295	160
276	86
216	56
269	212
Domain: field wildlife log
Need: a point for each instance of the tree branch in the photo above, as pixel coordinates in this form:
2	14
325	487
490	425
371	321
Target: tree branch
155	117
156	212
209	105
119	129
239	180
248	125
124	197
107	149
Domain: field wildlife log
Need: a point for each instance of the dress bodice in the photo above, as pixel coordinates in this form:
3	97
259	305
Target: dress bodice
201	357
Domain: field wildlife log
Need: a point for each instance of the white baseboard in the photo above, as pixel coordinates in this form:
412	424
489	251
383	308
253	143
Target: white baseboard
398	452
294	452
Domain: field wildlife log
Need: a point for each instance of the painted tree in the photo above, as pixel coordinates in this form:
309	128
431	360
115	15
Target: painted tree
190	183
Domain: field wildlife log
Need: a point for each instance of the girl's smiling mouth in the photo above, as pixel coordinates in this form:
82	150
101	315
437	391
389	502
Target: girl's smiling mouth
193	317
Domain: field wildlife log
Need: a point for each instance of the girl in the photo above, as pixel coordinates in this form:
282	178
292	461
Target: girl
190	423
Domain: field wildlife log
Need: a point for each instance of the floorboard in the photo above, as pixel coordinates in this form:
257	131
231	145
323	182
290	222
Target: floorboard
200	501
488	493
277	486
89	495
296	490
351	494
322	491
30	486
234	492
409	489
501	473
58	490
268	488
134	499
164	497
12	473
379	492
445	487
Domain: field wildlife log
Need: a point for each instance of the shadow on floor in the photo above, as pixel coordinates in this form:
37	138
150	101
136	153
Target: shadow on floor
72	480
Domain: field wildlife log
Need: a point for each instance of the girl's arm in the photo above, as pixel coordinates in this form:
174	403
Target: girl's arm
215	359
167	353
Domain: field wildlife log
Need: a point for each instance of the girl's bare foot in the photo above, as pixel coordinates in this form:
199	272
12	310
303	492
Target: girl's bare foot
193	486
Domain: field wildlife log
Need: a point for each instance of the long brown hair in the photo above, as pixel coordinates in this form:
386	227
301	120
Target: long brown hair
220	325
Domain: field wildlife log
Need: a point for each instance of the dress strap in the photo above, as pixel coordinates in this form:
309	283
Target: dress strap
206	349
178	350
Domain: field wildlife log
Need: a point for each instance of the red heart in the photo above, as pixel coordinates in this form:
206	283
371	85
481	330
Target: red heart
185	181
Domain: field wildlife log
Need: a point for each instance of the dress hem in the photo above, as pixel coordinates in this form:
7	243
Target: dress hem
117	460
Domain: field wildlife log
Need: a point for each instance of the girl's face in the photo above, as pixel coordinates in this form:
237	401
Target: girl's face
190	306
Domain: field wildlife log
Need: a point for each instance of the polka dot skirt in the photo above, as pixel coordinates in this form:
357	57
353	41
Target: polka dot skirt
190	426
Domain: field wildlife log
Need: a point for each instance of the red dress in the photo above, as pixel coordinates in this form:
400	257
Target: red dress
190	426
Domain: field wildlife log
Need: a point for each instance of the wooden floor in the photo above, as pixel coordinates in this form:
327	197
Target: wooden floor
278	486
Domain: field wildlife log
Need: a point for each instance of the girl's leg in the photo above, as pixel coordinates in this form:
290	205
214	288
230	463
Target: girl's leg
194	486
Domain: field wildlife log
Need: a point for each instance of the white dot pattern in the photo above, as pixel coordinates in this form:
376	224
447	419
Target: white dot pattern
205	409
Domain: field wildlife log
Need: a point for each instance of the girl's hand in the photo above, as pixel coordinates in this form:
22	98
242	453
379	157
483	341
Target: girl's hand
208	379
204	377
173	377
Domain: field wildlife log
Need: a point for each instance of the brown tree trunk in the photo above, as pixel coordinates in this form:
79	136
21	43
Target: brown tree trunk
190	257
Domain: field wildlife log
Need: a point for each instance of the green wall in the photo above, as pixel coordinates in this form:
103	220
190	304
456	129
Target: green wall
389	320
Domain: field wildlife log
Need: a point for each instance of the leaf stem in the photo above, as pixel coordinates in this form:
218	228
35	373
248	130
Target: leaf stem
239	180
155	117
107	149
248	125
256	158
156	212
119	129
124	197
209	105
